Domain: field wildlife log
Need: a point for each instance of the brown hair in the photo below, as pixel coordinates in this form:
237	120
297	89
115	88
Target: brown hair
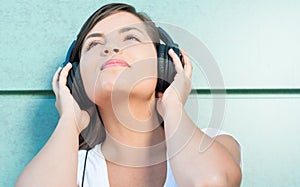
95	132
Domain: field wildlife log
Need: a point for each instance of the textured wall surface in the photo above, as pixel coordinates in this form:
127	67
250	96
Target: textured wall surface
254	43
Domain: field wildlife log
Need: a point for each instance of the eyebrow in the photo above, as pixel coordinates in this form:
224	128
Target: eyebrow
126	29
94	35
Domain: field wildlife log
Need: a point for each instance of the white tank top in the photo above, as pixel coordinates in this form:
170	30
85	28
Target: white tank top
96	169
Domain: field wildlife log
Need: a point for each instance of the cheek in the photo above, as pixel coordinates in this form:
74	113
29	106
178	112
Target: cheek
142	76
144	57
142	52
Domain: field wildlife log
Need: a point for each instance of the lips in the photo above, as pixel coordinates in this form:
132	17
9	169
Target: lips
114	62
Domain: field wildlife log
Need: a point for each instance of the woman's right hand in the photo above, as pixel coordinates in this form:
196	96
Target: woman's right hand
65	104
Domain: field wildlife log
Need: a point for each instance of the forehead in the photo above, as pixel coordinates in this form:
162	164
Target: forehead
117	21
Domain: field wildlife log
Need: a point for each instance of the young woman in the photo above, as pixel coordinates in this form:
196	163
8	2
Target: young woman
126	141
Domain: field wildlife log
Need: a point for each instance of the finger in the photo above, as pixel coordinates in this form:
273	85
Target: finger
188	68
160	94
176	60
64	74
55	79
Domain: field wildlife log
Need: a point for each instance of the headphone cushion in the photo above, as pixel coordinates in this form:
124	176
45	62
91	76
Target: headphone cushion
165	67
72	76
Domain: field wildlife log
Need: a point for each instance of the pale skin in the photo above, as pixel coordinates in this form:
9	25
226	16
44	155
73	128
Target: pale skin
56	163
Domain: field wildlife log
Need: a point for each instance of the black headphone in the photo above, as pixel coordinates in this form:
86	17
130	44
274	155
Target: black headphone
165	68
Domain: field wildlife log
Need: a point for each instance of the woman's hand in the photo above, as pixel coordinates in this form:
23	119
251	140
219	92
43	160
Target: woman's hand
177	93
65	104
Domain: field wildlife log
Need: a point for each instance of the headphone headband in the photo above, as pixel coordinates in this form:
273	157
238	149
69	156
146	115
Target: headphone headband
166	38
68	56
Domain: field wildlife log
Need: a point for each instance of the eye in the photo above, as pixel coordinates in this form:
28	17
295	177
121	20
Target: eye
93	44
132	37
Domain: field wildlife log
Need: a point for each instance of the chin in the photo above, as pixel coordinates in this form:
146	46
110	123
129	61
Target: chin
121	91
106	91
119	85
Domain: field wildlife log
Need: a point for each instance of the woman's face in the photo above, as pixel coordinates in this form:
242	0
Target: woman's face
118	56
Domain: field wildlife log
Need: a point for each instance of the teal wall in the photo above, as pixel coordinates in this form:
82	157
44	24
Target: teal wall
255	44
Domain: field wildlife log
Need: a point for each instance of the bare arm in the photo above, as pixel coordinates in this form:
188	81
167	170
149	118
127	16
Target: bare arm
196	162
193	164
56	163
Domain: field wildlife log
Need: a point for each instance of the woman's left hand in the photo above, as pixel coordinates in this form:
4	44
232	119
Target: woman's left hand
177	93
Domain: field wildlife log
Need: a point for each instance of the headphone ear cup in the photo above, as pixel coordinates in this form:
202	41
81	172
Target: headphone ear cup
165	68
75	85
72	76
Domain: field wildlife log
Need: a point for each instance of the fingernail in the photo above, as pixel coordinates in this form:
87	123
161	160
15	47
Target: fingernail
171	50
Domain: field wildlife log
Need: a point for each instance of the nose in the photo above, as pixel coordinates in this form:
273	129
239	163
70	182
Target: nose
111	51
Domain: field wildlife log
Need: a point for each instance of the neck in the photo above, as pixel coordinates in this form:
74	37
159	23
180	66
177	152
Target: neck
134	136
